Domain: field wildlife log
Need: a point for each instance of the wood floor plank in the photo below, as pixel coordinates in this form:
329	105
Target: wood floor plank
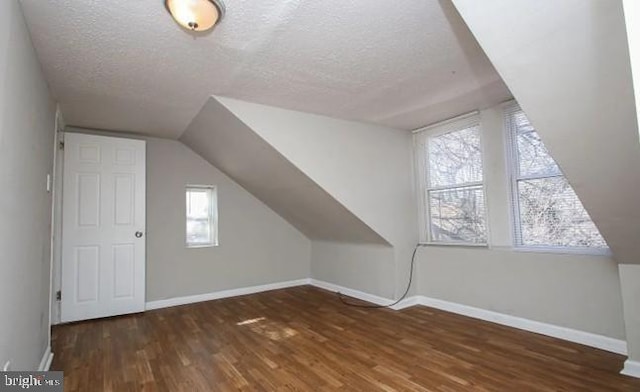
304	339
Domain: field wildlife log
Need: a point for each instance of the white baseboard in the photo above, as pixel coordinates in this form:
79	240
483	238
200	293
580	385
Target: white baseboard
167	303
351	292
408	302
586	338
375	299
45	362
177	301
631	368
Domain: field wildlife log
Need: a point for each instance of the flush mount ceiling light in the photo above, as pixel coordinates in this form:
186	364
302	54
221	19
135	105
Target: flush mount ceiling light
196	15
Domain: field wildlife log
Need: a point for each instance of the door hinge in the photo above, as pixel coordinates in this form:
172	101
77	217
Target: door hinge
61	144
58	295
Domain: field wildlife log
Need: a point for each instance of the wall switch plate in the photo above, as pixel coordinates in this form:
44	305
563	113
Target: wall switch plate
6	366
48	182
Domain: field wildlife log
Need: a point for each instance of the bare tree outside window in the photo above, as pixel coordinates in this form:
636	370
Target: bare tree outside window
455	194
548	211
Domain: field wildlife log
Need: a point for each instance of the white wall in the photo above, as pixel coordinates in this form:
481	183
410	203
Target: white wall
575	291
368	169
27	123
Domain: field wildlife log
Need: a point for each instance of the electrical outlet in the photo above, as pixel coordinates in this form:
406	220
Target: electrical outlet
6	366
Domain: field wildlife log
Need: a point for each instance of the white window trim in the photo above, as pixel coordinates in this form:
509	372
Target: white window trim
421	137
564	250
213	211
514	177
455	244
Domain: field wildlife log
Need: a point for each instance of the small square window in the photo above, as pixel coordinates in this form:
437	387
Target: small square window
202	216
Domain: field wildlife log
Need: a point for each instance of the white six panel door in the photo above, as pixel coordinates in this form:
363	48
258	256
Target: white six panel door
103	227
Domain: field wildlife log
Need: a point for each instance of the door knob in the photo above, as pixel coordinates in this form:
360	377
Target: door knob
138	234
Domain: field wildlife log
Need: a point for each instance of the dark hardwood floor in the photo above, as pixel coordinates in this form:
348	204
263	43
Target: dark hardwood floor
304	339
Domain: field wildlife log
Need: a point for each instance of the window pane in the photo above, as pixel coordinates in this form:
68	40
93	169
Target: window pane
533	157
551	214
455	158
521	122
458	215
198	203
200	217
198	231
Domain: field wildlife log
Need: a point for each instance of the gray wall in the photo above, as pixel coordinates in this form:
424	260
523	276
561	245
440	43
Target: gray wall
27	118
574	291
256	245
630	274
630	282
226	142
367	169
364	267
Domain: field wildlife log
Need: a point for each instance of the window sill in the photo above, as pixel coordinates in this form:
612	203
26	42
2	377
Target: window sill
454	244
192	246
526	249
567	251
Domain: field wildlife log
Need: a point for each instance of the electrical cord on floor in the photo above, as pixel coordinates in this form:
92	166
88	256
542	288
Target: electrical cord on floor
413	260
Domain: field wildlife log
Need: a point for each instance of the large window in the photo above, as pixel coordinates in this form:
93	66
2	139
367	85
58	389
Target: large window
450	160
547	212
202	222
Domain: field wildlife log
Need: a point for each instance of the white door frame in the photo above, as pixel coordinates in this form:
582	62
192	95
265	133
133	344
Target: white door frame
56	229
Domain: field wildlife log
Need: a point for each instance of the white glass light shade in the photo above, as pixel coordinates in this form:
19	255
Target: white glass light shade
196	15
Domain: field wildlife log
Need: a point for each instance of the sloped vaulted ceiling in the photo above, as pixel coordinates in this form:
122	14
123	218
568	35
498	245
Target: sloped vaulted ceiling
221	138
567	64
125	65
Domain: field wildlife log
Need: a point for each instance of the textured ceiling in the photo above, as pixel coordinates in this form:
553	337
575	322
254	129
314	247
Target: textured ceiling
125	65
